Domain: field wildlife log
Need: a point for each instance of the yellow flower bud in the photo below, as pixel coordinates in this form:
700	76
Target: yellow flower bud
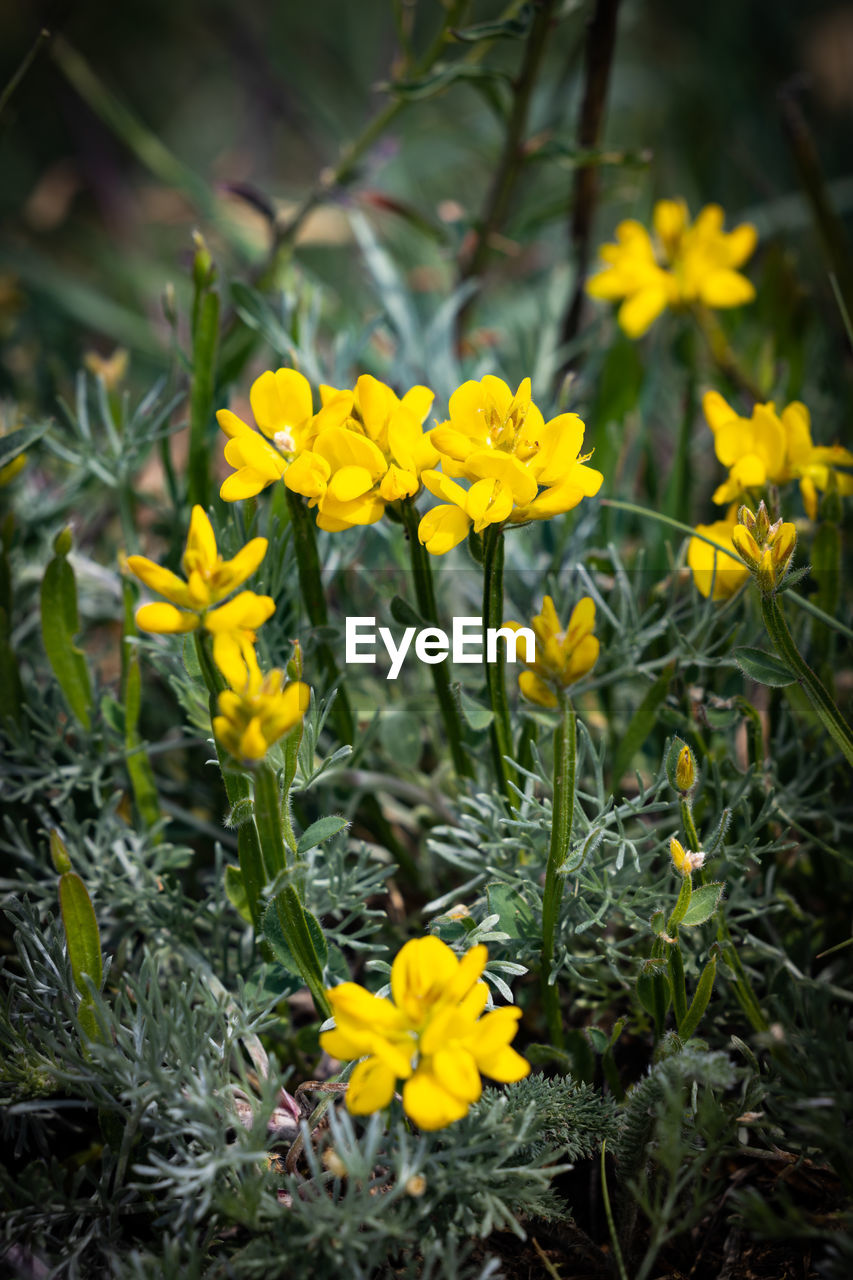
679	856
746	546
685	770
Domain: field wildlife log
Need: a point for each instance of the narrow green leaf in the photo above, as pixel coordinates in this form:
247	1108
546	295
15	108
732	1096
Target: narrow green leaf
402	612
514	28
704	903
699	1003
81	931
477	716
17	441
59	625
764	668
235	892
322	829
516	917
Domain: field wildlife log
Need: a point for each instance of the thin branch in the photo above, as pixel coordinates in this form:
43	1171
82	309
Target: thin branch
600	43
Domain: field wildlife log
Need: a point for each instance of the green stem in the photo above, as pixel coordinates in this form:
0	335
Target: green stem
679	986
828	713
314	599
512	155
291	913
744	993
689	825
238	791
425	595
27	61
493	603
565	764
205	343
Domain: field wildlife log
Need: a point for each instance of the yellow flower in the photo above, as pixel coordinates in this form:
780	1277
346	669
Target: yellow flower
195	602
430	1035
684	860
252	720
708	565
520	468
562	657
767	548
687	263
373	457
282	407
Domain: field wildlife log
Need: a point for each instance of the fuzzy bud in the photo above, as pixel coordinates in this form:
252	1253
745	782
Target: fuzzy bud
746	546
294	666
685	770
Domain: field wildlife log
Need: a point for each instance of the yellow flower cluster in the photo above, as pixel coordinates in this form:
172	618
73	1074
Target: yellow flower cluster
686	263
767	548
770	448
519	468
361	450
430	1035
257	710
562	656
196	602
253	719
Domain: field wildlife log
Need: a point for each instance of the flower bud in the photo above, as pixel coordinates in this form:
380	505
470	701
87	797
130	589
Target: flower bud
783	548
762	522
679	855
294	666
685	770
59	853
746	518
746	546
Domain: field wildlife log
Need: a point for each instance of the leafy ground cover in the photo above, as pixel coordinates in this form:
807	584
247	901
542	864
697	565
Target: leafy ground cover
466	317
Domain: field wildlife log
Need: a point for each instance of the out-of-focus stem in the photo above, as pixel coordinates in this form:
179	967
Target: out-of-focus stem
425	595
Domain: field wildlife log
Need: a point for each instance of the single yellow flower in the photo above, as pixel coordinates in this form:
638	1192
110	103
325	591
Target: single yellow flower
686	263
562	656
430	1035
196	603
708	566
520	468
684	860
767	548
282	406
252	720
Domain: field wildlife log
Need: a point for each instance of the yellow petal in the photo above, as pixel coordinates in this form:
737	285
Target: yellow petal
245	612
161	580
397	483
717	411
376	401
726	289
443	528
244	564
349	483
308	474
447	440
201	541
430	1105
371	1087
165	619
505	1066
456	1071
243	484
639	311
493	464
740	244
231	424
420	974
418	400
535	690
489	502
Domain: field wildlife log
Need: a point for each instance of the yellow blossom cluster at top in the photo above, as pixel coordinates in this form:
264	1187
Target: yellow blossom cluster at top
773	448
430	1035
257	710
685	263
562	656
361	450
518	467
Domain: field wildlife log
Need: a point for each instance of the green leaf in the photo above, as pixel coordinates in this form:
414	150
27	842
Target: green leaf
699	1003
704	903
235	892
17	441
402	612
516	917
59	625
764	668
401	735
682	905
477	716
322	829
641	724
281	944
81	931
654	990
671	760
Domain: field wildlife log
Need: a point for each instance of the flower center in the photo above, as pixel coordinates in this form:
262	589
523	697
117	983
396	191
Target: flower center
284	441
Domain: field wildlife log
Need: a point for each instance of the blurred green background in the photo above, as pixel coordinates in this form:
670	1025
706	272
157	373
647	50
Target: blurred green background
137	123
